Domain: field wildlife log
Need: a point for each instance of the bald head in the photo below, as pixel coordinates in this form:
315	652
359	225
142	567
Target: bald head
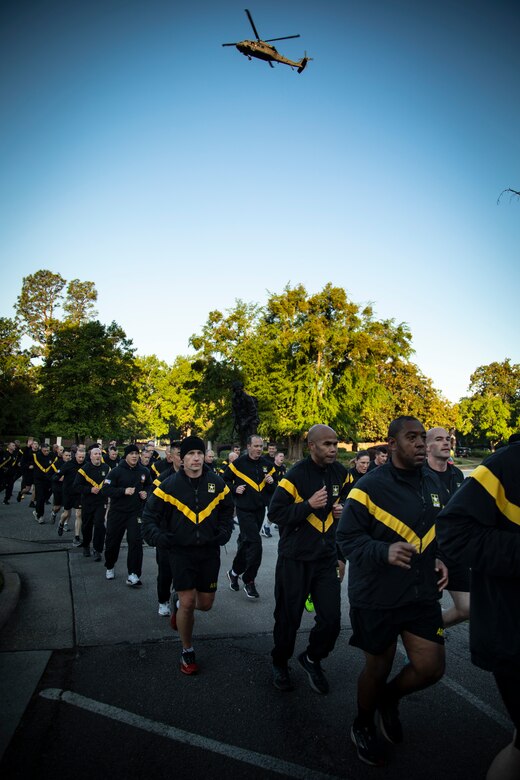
436	432
323	444
318	431
438	448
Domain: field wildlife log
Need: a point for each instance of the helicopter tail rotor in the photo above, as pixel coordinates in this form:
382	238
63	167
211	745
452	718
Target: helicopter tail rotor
303	62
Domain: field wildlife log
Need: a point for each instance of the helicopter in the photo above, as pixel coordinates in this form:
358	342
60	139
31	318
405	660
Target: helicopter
262	50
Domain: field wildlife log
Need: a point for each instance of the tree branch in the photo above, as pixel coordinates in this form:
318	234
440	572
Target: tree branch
508	189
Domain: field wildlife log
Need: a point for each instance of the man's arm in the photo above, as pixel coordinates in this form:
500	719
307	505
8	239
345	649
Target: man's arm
111	487
467	531
225	518
152	517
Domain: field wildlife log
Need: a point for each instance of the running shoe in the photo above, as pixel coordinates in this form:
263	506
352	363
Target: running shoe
133	580
317	679
110	574
76	542
164	609
282	678
39	520
365	740
233	580
389	721
250	590
266	532
188	663
60	529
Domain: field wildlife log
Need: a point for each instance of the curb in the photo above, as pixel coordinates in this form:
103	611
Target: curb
10	594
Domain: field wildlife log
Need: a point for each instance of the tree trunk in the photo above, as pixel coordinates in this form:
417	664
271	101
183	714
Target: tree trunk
295	447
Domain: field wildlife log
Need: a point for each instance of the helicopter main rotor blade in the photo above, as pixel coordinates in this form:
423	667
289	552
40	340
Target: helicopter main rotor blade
252	24
229	44
284	38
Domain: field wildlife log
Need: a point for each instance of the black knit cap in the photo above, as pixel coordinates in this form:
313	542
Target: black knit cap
191	443
131	448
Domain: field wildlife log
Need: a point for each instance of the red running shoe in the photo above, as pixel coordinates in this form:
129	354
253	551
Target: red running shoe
188	663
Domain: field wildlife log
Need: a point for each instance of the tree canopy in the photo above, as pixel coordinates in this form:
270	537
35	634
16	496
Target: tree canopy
16	376
492	412
163	401
86	381
38	305
306	358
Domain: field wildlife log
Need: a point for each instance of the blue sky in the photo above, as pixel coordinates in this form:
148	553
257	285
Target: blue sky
176	175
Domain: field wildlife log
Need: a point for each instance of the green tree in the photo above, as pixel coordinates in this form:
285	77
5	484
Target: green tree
404	389
308	359
163	399
17	378
492	412
41	305
486	419
86	381
219	362
500	380
79	302
37	305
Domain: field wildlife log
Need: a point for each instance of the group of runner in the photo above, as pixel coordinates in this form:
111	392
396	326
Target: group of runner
385	518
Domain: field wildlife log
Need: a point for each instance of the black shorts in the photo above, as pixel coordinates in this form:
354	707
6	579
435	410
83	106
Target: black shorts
27	477
375	630
194	567
71	500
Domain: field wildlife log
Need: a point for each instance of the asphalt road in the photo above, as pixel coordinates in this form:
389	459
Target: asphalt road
91	687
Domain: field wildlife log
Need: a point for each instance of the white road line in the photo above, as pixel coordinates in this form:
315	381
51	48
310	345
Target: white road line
502	720
495	715
269	763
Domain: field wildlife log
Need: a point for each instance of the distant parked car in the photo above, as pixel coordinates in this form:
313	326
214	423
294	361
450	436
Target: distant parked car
463	452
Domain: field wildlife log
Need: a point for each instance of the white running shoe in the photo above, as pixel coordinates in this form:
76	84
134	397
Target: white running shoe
164	609
133	580
109	574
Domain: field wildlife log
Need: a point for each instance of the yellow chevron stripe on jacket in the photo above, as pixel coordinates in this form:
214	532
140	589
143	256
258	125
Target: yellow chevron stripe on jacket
248	480
291	489
186	511
319	525
90	480
494	487
49	467
392	522
6	461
